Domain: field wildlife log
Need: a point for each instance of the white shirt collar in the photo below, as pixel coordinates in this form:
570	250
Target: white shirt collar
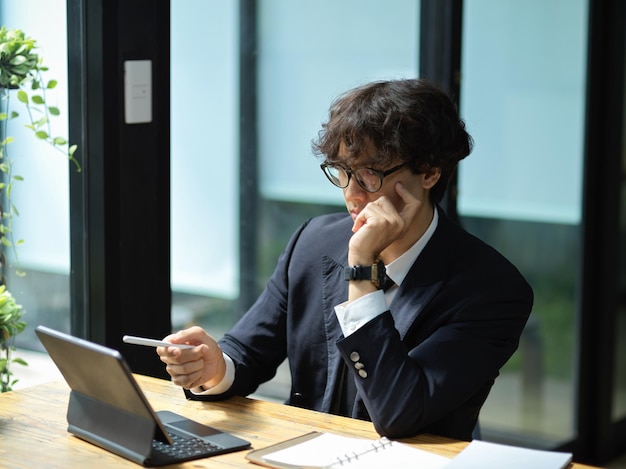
398	269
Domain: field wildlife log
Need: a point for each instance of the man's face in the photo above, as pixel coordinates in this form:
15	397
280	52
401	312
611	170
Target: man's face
356	197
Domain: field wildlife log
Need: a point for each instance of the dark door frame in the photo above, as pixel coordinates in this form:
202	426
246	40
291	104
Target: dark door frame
600	438
119	204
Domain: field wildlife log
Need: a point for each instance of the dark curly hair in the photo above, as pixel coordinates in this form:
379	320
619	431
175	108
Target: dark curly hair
408	120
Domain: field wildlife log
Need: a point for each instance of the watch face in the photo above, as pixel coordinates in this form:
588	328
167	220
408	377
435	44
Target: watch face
379	274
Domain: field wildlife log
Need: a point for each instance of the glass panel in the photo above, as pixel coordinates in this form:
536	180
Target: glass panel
204	161
308	53
43	197
520	191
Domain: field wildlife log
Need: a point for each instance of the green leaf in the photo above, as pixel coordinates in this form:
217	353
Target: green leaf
17	60
17	177
3	116
42	134
19	361
21	70
41	122
52	84
23	48
54	110
22	97
38	99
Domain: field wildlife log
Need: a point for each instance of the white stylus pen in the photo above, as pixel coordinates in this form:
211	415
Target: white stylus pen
131	339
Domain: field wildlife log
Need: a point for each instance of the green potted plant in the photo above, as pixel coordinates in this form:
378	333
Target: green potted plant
11	324
23	86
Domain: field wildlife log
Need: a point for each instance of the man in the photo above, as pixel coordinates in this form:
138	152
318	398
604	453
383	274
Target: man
420	356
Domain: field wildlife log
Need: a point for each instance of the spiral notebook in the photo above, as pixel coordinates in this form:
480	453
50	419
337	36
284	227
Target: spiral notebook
317	450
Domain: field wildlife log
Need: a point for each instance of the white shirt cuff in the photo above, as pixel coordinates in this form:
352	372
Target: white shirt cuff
225	384
352	316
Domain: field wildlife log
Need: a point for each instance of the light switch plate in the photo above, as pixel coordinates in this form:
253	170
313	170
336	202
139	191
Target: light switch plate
138	91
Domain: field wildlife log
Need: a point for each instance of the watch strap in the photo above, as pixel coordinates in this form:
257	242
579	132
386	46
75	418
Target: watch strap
374	273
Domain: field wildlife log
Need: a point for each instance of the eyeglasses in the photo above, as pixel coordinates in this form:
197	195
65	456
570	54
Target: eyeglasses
369	179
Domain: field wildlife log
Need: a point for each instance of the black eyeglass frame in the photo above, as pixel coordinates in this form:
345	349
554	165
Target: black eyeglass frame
381	175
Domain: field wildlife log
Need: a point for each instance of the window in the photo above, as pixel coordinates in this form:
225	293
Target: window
307	55
520	191
43	197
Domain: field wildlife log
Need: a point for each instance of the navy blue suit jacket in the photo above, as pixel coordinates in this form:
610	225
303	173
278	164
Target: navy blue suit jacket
430	361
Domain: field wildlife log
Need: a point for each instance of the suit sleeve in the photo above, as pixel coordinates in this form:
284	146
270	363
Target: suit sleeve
257	343
449	358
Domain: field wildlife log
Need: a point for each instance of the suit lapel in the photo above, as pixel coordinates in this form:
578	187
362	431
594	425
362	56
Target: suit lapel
409	303
425	278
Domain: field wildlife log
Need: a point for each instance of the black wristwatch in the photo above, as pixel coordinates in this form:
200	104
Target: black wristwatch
375	272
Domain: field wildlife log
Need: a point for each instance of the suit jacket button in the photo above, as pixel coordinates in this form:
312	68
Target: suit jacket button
362	373
355	357
359	365
296	399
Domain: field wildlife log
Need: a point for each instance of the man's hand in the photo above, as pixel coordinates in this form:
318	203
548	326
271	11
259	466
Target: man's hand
202	365
379	224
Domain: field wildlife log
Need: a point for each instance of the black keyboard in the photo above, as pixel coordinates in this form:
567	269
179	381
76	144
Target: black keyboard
185	447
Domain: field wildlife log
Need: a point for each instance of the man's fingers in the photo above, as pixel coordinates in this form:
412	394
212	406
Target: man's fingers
194	335
186	368
187	381
411	203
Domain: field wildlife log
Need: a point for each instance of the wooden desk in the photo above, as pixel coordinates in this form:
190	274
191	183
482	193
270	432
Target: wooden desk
33	427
